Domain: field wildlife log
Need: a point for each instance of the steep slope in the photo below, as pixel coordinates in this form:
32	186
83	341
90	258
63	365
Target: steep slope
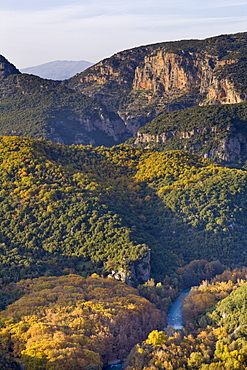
6	68
218	132
122	212
66	212
222	346
38	108
139	84
58	70
109	102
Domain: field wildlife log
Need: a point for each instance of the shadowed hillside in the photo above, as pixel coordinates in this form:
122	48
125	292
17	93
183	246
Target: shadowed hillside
118	211
110	101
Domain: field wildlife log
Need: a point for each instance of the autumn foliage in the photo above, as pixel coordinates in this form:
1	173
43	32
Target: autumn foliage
71	322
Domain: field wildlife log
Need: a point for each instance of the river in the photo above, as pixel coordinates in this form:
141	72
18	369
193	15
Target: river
174	318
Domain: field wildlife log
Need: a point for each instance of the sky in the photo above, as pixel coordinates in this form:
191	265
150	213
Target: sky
34	32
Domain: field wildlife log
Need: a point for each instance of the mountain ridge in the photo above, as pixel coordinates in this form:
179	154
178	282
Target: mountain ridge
58	69
110	101
167	76
77	218
216	132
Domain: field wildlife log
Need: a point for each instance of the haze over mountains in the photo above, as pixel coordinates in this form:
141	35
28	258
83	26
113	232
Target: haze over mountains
163	210
58	70
110	101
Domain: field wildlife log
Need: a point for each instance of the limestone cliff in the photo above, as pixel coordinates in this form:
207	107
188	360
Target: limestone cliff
139	84
110	101
228	149
217	132
164	72
139	271
223	91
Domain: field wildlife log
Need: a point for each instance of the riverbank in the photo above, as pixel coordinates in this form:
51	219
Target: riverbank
174	319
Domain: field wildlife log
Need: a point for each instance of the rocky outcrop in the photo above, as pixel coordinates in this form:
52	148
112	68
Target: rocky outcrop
120	94
143	138
228	149
223	91
139	271
163	72
104	73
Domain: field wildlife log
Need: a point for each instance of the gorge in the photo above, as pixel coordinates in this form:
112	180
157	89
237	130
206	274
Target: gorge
119	188
109	102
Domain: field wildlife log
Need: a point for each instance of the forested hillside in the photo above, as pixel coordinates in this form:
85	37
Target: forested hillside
84	209
218	132
39	108
217	343
110	101
72	322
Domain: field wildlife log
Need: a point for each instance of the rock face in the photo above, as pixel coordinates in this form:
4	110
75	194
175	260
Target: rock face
229	149
217	132
223	91
163	72
226	150
139	271
139	84
124	92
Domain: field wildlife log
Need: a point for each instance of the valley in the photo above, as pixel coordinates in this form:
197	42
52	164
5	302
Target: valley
121	187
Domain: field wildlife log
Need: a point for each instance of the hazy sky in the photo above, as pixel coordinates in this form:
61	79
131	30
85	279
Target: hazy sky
33	32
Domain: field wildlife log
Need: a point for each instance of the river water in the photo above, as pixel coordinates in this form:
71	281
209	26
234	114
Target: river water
174	318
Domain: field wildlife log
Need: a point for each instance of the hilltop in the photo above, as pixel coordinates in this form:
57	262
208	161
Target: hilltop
218	132
123	212
58	69
110	101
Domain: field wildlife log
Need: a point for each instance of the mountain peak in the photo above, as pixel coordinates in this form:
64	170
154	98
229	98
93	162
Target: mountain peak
7	68
58	69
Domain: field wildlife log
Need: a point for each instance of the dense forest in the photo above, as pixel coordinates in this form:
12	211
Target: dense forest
217	132
97	241
84	209
73	322
217	341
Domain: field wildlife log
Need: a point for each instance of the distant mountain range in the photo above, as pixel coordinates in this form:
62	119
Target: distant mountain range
111	101
59	69
154	212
